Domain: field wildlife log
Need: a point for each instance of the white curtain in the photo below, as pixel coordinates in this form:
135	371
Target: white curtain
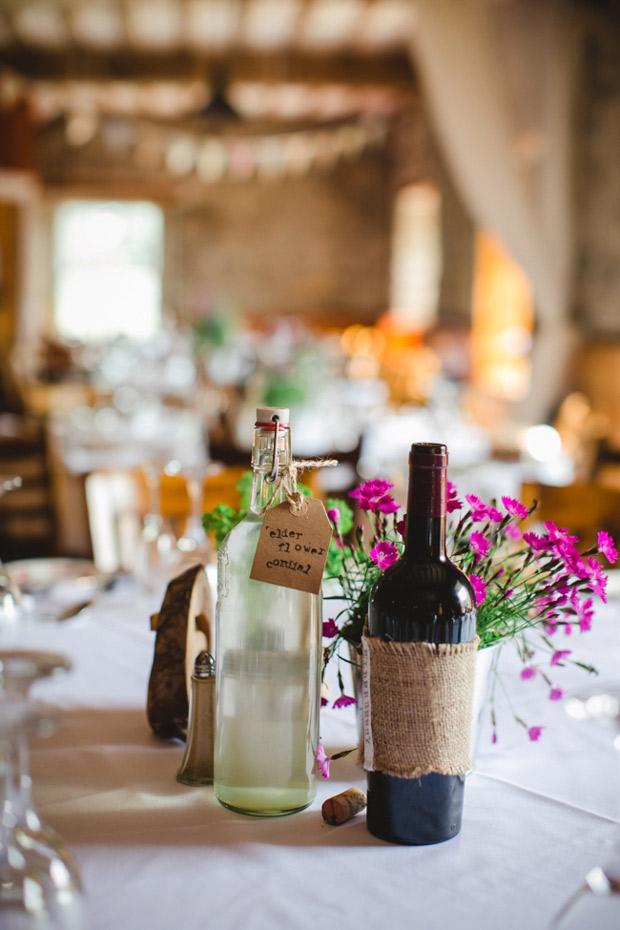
498	78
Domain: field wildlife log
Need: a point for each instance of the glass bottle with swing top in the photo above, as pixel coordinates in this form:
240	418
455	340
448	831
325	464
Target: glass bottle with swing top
268	641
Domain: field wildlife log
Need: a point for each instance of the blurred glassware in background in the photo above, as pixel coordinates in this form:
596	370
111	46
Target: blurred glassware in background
545	459
10	601
386	442
40	882
193	545
10	592
361	394
154	551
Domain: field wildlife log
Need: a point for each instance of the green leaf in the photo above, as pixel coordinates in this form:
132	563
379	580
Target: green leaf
220	521
223	518
345	521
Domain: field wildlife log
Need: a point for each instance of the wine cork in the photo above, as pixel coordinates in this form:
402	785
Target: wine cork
344	806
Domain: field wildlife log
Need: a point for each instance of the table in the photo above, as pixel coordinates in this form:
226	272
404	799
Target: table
157	854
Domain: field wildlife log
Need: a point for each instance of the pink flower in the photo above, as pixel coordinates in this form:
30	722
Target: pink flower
452	501
481	511
558	655
512	531
536	543
597	582
334	514
556	694
534	733
480	544
480	588
559	535
324	702
515	508
478	508
372	495
322	760
566	551
584	611
586	616
384	554
344	701
330	628
606	546
528	672
401	526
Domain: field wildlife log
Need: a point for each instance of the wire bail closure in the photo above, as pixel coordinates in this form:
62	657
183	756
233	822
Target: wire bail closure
273	474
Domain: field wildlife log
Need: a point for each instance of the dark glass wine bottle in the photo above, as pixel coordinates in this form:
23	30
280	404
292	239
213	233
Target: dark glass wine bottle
423	597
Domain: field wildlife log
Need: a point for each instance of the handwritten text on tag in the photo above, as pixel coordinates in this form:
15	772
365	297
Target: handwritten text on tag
292	548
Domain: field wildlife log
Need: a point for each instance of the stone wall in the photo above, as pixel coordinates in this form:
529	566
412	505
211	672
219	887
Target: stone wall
316	246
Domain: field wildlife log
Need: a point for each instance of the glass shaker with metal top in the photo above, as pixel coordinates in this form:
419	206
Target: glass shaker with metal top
197	765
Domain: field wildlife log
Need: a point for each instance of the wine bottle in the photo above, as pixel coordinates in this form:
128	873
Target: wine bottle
421	598
268	640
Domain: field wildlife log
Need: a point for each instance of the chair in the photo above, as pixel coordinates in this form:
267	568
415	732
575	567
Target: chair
583	509
27	514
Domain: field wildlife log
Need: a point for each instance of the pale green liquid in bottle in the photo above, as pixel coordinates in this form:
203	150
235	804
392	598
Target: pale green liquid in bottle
268	685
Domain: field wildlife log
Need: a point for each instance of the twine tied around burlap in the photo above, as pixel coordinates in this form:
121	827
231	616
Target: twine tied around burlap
417	706
287	479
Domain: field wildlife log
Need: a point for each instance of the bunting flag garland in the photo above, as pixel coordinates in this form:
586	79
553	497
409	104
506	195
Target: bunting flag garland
213	157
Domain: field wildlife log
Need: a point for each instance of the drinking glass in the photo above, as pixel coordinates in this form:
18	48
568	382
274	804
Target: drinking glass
596	902
19	669
193	545
10	593
156	543
37	891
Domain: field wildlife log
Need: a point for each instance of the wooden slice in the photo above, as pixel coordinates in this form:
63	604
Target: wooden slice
183	628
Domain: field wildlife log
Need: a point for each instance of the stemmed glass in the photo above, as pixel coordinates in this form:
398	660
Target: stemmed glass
19	669
155	550
36	890
596	902
10	594
193	545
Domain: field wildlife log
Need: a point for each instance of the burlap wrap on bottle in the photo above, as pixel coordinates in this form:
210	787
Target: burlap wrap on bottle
417	706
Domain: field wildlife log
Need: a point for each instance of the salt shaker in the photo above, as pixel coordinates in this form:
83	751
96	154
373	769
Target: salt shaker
197	765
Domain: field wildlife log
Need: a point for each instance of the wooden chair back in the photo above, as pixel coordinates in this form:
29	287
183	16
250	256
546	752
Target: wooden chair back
583	509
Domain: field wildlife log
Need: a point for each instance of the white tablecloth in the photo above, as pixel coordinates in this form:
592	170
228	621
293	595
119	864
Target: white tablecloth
159	855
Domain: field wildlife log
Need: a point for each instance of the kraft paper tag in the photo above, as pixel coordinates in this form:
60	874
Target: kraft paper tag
292	548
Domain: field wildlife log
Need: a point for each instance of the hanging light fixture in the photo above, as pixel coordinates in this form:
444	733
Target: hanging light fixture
219	110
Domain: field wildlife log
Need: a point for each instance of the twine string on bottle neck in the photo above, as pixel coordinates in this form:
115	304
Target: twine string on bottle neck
287	479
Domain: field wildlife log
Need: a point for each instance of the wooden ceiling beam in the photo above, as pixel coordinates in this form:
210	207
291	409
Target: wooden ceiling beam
392	69
7	28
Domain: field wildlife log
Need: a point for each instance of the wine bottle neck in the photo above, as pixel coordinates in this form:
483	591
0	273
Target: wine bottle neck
425	535
263	487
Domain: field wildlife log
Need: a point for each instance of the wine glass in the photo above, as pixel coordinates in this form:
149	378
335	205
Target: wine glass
10	593
156	543
19	669
36	890
596	902
193	545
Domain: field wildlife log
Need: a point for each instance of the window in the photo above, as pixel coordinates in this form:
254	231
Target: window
416	254
107	270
